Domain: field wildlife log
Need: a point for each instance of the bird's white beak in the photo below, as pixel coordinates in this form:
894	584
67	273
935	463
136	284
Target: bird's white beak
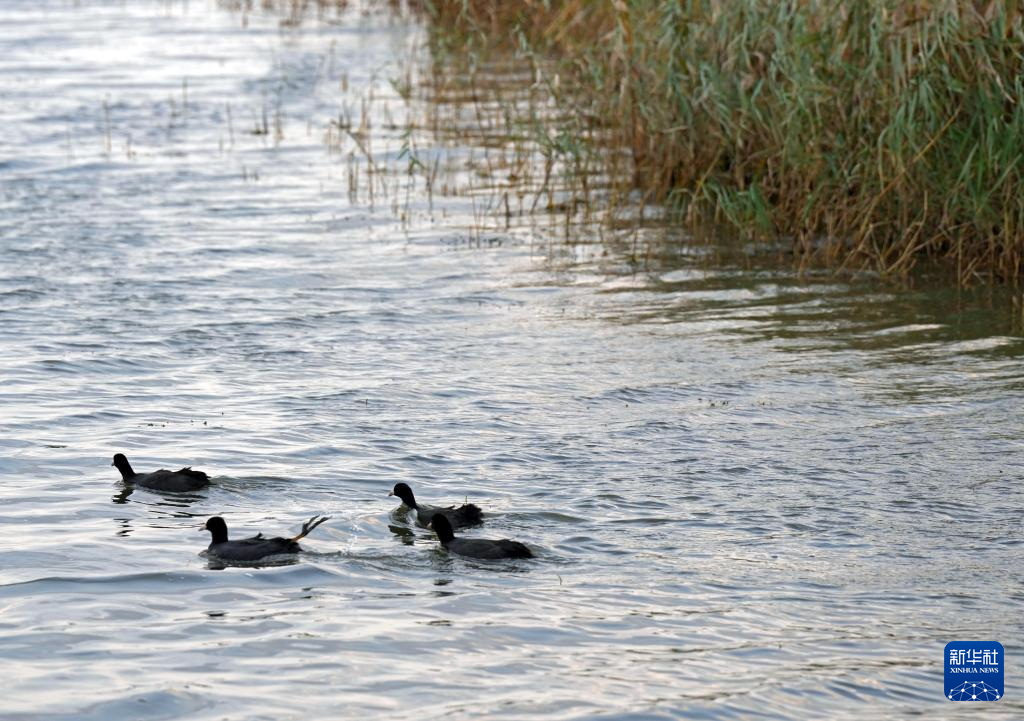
430	525
390	493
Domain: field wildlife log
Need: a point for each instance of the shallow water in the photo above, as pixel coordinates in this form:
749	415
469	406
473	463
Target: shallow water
752	494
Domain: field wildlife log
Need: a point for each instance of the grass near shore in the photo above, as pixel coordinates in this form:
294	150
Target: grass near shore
869	133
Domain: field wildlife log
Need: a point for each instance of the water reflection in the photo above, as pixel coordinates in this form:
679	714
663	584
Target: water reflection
214	563
405	534
151	497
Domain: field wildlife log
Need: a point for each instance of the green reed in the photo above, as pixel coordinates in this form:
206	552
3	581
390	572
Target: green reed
868	133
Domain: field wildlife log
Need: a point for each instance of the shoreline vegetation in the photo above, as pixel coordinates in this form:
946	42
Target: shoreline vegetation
867	135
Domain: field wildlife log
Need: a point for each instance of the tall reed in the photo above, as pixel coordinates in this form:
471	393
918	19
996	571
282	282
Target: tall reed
869	133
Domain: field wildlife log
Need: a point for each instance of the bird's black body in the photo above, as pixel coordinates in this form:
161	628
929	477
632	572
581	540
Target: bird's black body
257	547
184	480
476	547
461	517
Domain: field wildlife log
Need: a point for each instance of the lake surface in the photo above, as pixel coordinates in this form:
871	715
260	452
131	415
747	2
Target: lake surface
752	494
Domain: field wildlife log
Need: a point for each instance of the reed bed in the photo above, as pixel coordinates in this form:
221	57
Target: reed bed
869	134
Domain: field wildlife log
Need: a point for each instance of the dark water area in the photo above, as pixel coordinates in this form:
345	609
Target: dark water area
752	493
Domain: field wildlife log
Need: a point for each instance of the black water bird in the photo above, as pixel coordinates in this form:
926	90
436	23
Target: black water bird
467	515
257	547
184	480
476	547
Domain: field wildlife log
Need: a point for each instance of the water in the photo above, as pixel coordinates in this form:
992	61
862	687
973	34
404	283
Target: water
751	494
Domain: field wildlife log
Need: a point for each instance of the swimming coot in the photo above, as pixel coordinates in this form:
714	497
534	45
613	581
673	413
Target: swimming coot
257	547
476	547
467	515
184	480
